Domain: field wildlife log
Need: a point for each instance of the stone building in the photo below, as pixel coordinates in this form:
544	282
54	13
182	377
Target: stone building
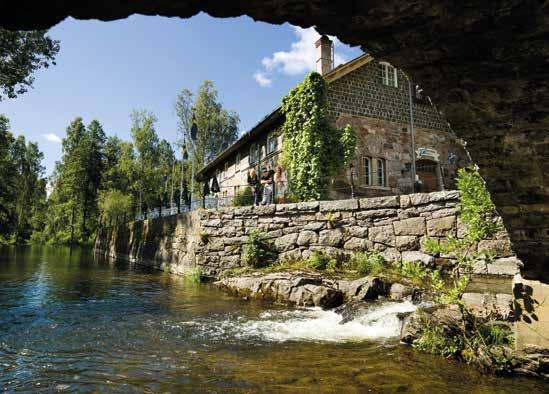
377	100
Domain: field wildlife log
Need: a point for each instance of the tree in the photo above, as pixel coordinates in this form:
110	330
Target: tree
7	190
146	143
21	54
217	127
23	188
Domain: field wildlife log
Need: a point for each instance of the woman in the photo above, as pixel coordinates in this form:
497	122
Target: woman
281	184
253	182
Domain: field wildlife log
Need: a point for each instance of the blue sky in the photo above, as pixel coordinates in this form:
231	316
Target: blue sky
106	69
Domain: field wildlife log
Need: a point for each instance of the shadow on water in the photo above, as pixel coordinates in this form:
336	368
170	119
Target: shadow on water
72	322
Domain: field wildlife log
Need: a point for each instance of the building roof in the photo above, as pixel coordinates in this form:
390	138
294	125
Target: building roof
275	117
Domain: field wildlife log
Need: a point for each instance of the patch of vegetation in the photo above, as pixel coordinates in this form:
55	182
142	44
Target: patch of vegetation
195	275
368	263
321	261
243	198
313	150
204	237
480	342
434	340
256	252
331	220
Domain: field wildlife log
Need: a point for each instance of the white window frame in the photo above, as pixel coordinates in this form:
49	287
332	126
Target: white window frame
253	154
367	173
386	70
272	142
380	172
237	163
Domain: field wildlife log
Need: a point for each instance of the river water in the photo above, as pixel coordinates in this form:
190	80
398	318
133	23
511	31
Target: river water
72	322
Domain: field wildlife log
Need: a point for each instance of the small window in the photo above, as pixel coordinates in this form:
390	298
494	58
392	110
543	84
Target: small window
380	172
367	171
389	75
252	158
237	163
272	144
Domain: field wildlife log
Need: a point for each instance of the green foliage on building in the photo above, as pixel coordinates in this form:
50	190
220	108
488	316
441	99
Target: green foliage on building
313	150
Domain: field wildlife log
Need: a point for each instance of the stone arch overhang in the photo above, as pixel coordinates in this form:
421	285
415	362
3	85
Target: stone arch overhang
484	63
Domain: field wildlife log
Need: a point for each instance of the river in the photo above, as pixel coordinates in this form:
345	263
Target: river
72	322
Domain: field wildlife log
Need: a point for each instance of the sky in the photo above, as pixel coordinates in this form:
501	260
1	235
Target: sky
106	69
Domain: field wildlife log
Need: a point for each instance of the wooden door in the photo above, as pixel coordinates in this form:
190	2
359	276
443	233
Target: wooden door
427	172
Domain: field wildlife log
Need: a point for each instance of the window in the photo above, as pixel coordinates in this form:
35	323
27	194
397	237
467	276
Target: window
389	75
367	171
237	163
272	144
380	172
252	158
226	170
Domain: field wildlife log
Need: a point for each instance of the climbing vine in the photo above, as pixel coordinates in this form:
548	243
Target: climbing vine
313	150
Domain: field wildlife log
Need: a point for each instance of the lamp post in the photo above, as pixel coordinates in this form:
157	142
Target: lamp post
351	175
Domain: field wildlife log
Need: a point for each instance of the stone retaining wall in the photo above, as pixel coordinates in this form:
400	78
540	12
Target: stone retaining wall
213	239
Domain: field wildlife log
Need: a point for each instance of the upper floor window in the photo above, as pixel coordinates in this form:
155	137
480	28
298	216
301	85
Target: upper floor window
237	163
389	75
380	172
272	144
367	171
253	156
226	170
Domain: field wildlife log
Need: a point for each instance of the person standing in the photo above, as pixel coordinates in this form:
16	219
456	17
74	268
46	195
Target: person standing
267	183
281	183
253	182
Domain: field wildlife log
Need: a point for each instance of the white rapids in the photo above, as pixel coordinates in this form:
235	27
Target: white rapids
311	324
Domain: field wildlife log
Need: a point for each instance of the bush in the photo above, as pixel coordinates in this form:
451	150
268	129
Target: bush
195	275
434	340
257	253
416	272
368	263
243	198
321	261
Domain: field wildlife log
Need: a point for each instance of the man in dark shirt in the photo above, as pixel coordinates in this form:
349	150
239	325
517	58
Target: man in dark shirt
267	183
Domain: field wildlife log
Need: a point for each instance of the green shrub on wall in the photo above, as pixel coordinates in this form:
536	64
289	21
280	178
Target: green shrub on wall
313	150
243	198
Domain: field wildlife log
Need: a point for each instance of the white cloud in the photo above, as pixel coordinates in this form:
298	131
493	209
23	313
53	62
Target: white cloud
53	138
302	55
262	79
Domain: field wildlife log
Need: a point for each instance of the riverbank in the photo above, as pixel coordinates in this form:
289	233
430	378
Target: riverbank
72	322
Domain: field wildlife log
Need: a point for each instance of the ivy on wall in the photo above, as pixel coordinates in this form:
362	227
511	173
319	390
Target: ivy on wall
313	150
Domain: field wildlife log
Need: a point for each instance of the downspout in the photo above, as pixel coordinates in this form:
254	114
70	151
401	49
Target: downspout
413	133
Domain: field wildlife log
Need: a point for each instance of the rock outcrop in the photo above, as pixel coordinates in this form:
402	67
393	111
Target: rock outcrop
304	288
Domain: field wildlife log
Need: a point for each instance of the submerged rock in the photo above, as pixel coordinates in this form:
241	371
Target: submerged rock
446	317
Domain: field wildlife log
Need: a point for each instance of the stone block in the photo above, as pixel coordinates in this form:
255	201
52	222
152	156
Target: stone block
391	254
405	201
382	234
307	237
412	226
331	237
418	257
357	244
307	206
315	226
407	242
442	226
244	211
426	198
379	202
375	213
286	242
357	231
212	223
291	255
286	208
505	266
340	205
264	210
501	247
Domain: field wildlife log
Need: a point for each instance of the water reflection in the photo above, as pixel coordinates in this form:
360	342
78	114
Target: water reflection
69	322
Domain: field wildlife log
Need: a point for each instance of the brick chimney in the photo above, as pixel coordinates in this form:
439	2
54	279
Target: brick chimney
324	48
